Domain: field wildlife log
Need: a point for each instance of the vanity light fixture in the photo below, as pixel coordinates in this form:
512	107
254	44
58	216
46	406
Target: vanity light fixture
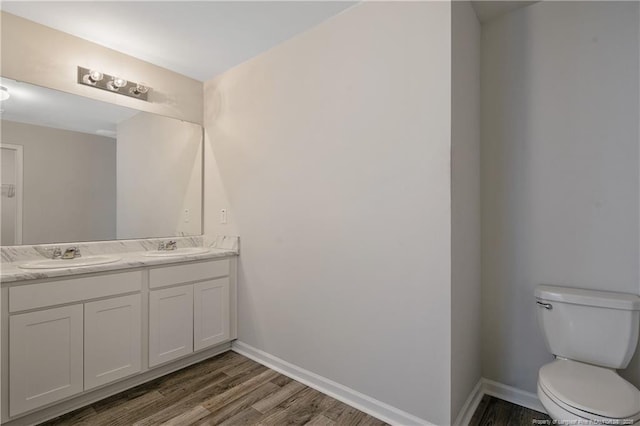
114	84
4	93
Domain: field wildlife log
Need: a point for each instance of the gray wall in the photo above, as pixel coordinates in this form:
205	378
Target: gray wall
559	167
466	367
69	184
334	150
159	177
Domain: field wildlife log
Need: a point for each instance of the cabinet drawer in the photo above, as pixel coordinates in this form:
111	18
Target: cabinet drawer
170	275
40	295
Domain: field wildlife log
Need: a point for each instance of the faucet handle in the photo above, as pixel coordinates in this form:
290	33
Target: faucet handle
77	253
162	246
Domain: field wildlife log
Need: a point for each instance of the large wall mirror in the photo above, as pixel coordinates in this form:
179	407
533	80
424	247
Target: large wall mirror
76	169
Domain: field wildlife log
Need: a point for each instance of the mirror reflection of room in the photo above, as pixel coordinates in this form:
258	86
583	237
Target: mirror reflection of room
92	171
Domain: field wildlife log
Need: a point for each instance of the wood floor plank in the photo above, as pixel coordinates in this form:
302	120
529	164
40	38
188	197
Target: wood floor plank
218	401
196	397
334	410
173	404
188	418
210	366
320	420
243	418
122	415
72	418
279	396
480	410
234	370
240	404
351	417
371	421
297	410
282	380
496	412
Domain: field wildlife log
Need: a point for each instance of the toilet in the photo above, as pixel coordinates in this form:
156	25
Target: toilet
591	334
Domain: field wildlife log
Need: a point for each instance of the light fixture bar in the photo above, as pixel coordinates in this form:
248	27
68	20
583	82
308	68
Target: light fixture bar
113	84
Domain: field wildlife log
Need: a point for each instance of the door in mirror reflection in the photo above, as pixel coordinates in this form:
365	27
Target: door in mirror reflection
11	201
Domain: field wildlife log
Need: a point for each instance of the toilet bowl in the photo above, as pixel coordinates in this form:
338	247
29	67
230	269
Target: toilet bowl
579	393
592	334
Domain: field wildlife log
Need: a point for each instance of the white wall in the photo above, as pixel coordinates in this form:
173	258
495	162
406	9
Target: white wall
41	55
334	149
559	166
466	368
69	183
159	173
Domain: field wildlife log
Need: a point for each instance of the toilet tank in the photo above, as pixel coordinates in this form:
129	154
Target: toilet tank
596	327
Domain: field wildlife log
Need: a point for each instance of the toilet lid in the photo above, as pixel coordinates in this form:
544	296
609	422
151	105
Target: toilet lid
591	389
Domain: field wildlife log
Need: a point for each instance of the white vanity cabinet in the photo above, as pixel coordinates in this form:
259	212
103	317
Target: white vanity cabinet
69	341
184	318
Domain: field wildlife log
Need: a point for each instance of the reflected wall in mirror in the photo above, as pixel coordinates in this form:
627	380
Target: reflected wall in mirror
76	169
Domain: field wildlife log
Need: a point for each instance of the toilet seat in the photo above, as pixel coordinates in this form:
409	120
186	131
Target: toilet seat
589	392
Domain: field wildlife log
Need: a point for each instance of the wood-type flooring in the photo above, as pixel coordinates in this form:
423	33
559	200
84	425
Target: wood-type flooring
228	389
232	390
493	411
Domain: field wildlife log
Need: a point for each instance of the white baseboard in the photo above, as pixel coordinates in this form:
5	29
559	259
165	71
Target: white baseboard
511	394
379	409
335	390
470	405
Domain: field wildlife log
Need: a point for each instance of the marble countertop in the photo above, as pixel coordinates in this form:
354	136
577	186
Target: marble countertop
131	254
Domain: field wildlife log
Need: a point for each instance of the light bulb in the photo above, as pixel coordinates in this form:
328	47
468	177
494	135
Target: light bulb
117	83
95	76
139	89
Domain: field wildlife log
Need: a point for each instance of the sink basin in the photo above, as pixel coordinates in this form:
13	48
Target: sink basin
69	263
177	252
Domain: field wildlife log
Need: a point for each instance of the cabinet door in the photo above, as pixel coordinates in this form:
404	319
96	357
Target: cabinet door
112	339
210	313
170	324
45	357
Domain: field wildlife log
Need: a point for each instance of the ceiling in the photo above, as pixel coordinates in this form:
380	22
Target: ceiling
487	10
200	39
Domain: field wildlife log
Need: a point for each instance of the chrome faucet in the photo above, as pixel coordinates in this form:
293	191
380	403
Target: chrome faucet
169	245
71	253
